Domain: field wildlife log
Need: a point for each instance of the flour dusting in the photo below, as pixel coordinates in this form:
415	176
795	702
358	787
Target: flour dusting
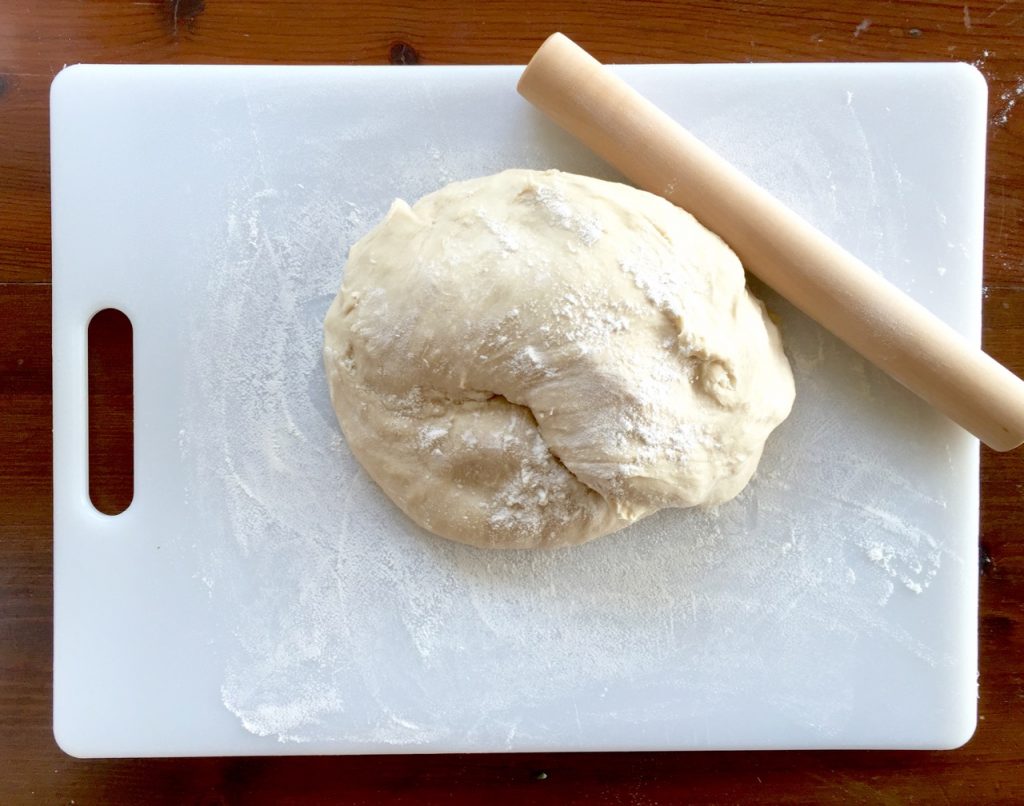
585	227
350	625
1009	98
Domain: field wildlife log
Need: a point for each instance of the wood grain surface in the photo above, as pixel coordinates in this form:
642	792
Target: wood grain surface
38	38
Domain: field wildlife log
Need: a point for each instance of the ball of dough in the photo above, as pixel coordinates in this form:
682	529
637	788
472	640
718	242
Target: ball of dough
535	359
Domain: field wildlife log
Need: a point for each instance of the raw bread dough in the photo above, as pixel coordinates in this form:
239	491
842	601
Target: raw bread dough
535	359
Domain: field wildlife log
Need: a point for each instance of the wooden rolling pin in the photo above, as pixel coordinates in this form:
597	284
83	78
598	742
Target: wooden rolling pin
813	272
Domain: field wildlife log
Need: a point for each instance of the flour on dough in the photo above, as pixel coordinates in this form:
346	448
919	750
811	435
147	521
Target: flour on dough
535	359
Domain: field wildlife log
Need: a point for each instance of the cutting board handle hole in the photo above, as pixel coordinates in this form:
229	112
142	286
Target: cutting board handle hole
111	412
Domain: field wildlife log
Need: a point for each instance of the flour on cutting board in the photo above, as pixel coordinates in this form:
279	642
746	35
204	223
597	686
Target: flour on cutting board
351	623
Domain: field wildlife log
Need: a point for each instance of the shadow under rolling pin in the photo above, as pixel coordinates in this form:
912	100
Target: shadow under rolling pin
813	272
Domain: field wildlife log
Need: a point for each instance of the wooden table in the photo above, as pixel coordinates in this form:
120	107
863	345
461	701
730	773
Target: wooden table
38	38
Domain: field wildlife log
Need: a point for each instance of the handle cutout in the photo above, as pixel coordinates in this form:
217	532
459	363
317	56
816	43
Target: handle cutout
111	412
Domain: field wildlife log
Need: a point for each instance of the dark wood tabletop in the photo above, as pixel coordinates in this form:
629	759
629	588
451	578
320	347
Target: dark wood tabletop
38	38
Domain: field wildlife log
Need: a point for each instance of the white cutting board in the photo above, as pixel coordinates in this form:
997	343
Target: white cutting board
260	596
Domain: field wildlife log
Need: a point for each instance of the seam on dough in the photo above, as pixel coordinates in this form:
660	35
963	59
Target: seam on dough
555	456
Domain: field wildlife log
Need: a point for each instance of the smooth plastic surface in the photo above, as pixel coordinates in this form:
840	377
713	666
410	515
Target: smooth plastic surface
833	605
